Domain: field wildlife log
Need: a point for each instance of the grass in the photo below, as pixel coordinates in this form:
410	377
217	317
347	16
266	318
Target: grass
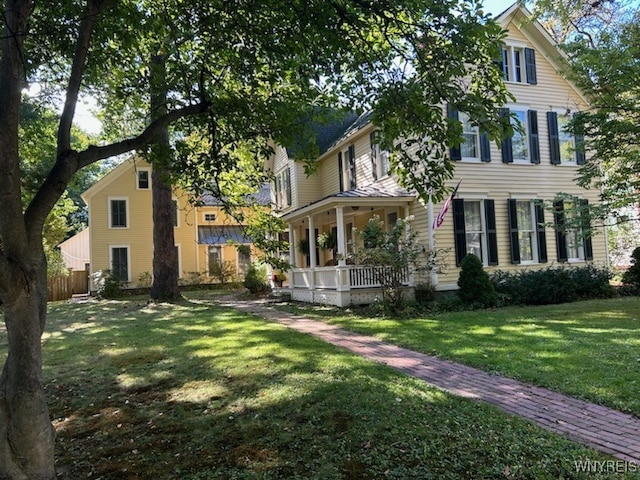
198	391
587	349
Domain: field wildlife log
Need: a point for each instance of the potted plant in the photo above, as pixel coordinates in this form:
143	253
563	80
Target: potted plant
278	278
329	241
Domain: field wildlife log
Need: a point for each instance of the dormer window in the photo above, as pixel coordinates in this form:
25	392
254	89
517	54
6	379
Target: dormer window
518	64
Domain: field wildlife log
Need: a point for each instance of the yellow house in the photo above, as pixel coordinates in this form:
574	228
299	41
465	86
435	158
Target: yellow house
121	230
498	211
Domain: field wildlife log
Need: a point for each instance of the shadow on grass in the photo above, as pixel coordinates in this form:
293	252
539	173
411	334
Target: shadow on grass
195	391
585	349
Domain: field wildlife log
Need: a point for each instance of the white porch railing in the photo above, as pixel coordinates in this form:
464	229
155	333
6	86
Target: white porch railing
343	277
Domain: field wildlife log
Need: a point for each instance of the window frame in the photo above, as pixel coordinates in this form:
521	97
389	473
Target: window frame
146	170
518	64
217	248
239	265
488	238
206	214
537	231
111	258
110	202
583	247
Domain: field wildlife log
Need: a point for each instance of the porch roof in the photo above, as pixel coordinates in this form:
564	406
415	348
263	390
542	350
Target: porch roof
221	235
368	195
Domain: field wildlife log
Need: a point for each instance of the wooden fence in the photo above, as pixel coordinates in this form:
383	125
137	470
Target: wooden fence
60	287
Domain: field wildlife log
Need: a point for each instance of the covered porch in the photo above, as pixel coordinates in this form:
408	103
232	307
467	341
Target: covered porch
320	272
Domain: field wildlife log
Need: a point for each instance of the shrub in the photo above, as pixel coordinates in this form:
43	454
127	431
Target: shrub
424	294
107	286
552	285
475	287
222	271
632	276
255	280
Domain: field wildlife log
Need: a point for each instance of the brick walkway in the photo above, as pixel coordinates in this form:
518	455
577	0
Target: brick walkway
602	428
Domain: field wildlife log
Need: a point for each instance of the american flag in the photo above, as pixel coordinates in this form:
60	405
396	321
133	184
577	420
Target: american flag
443	212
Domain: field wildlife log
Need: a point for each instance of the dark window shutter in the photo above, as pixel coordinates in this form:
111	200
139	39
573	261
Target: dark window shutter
534	139
554	139
580	150
352	167
561	238
586	229
513	231
454	152
288	180
507	146
374	156
530	62
459	233
541	232
492	236
340	174
485	147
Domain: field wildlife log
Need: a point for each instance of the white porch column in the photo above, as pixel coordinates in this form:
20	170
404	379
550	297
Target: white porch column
433	276
292	245
312	251
341	240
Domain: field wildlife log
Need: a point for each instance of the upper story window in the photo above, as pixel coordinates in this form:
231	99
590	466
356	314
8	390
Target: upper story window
144	178
118	213
379	158
347	169
283	189
475	145
518	64
210	217
524	145
565	148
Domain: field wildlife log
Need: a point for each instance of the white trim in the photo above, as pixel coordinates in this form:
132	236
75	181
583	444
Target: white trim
128	247
142	169
110	217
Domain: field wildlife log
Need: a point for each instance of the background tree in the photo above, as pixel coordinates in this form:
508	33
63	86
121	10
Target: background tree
255	69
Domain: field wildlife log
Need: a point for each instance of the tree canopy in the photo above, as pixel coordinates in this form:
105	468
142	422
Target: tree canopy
240	75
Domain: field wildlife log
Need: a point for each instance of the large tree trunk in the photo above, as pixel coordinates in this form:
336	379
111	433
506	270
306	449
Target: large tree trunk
26	434
165	260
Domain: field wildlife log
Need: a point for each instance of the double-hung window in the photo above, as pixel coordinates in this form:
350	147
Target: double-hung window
379	158
118	213
524	145
475	143
119	261
474	224
144	178
347	169
527	231
573	225
565	148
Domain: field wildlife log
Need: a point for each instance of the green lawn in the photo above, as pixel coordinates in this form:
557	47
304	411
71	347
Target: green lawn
197	391
586	349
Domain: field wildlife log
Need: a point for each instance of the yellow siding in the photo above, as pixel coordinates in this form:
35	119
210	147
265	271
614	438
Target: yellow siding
138	236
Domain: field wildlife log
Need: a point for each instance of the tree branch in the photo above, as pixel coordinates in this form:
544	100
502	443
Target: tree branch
70	161
78	66
96	153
